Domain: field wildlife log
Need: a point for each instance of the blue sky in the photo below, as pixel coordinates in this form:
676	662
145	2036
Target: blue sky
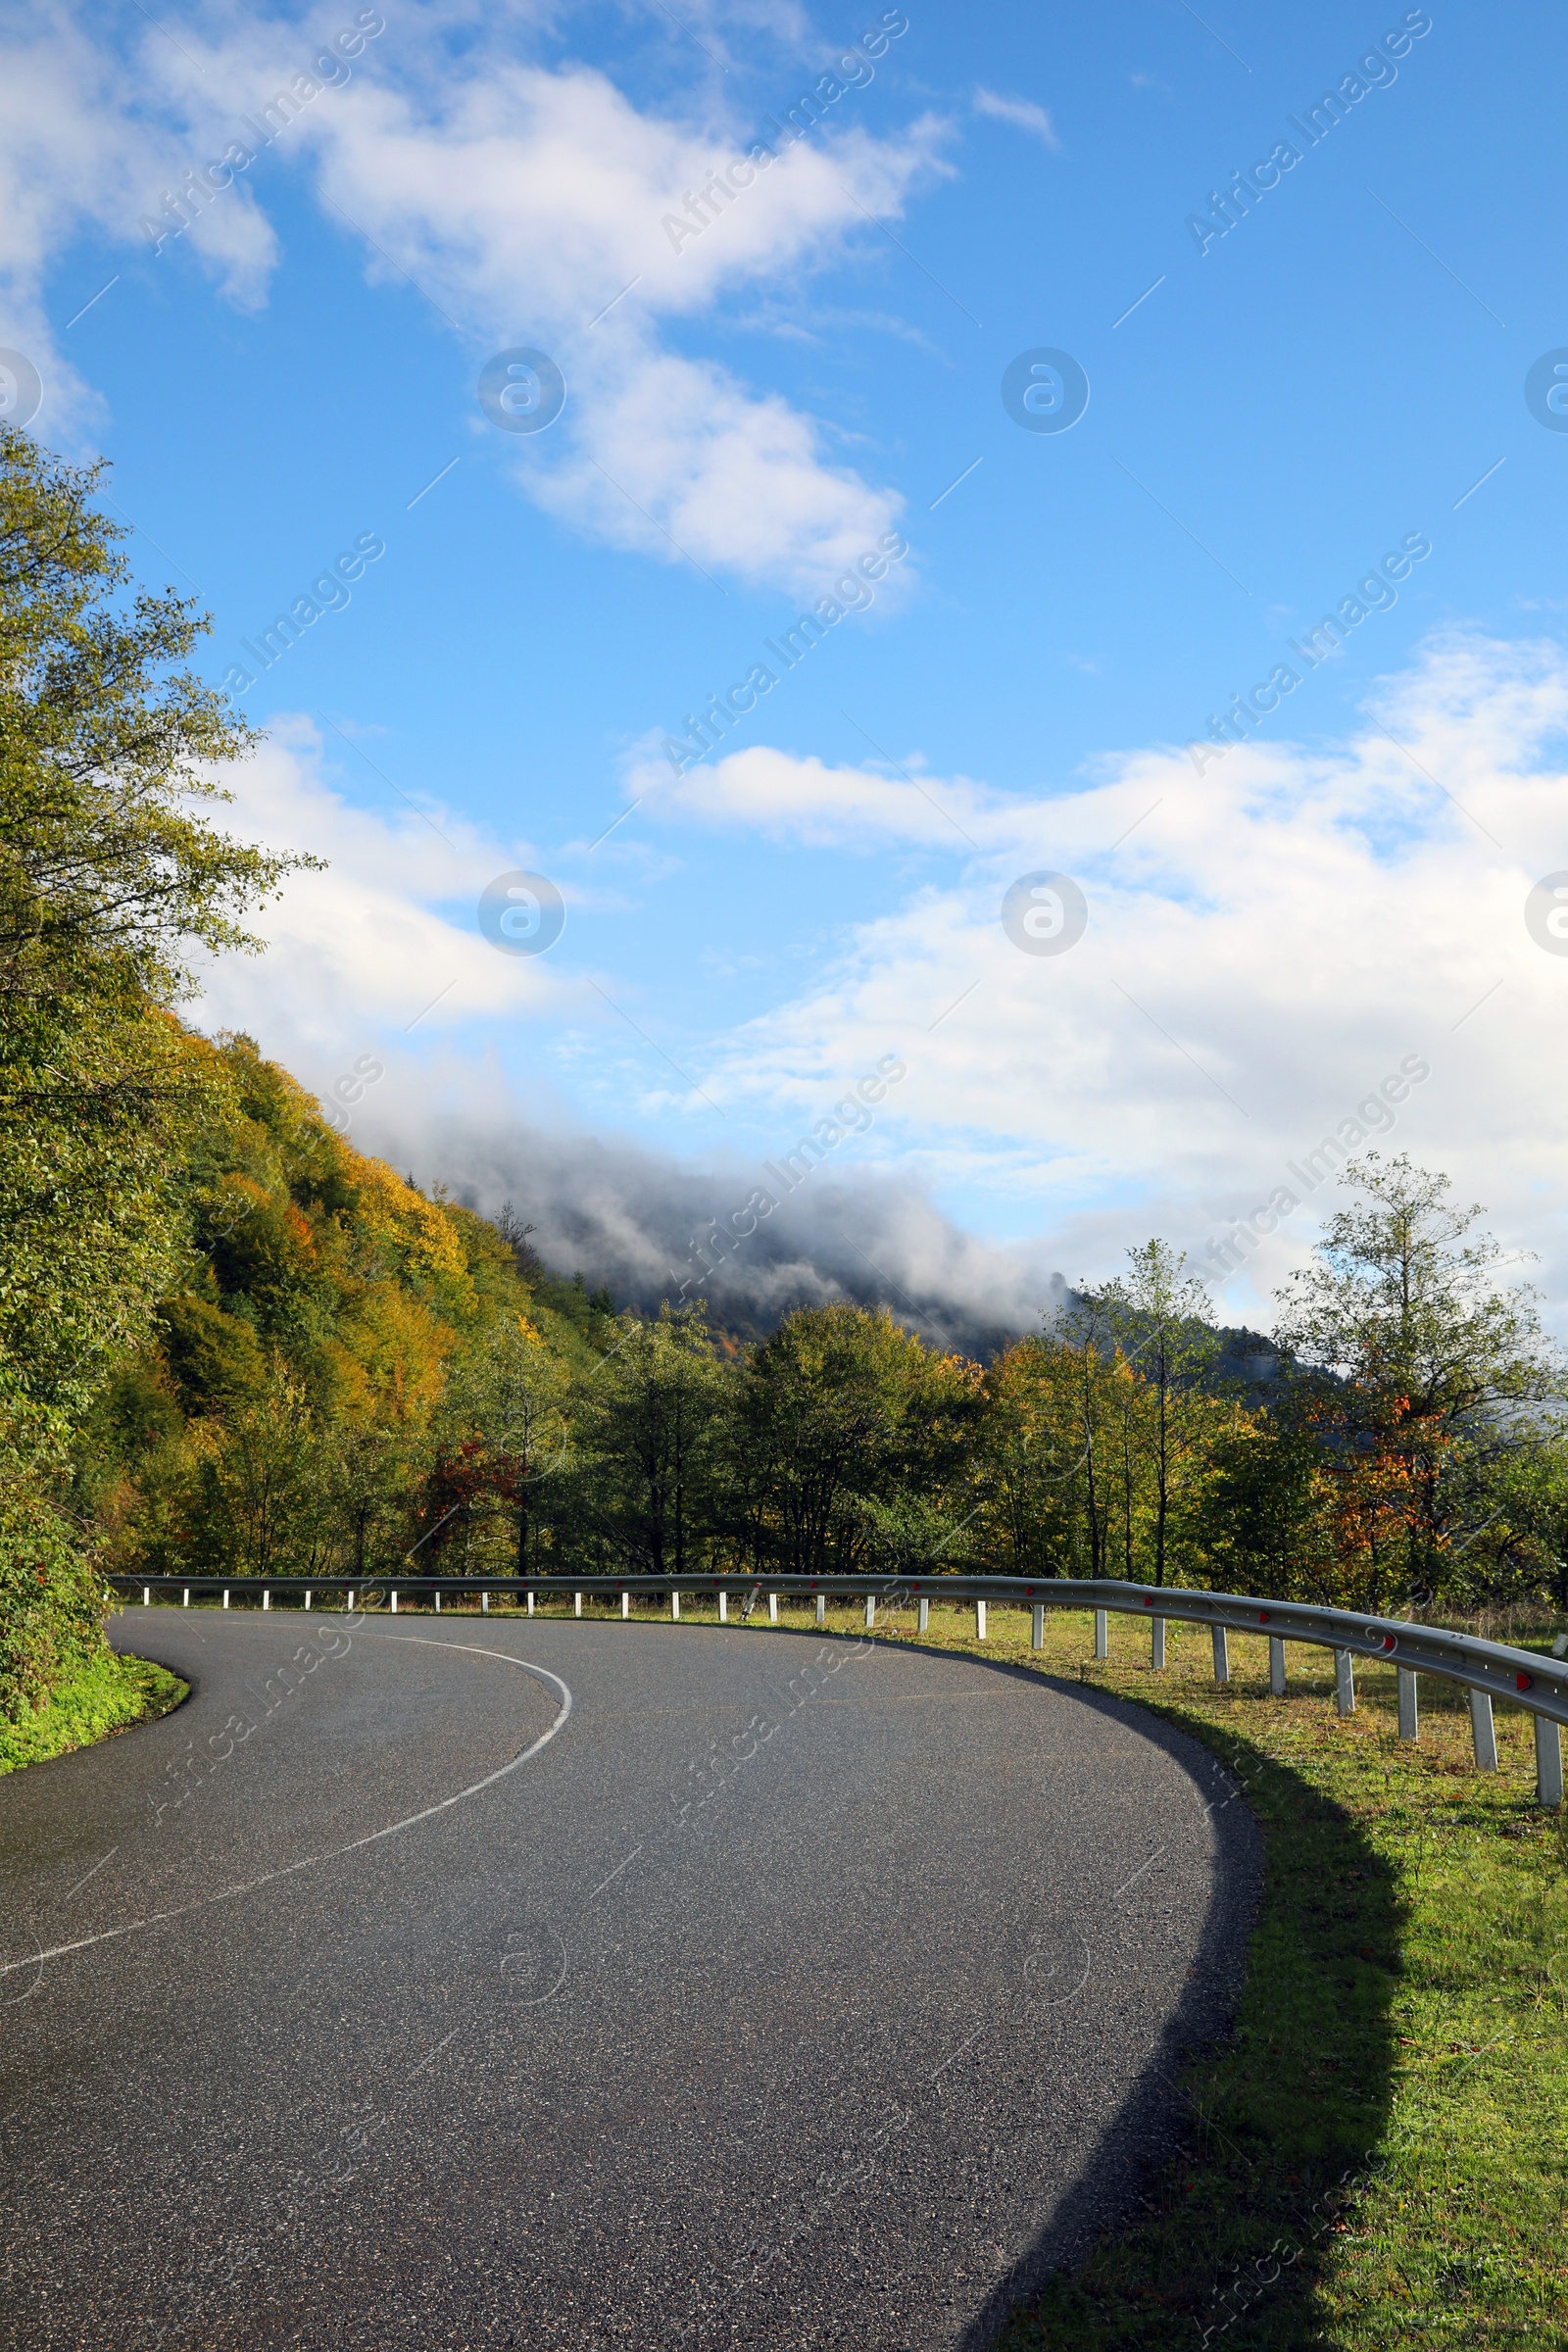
1340	373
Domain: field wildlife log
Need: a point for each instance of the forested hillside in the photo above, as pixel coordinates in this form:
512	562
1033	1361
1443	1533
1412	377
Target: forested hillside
231	1344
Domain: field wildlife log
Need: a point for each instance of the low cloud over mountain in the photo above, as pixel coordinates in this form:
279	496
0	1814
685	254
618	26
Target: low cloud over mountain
629	1219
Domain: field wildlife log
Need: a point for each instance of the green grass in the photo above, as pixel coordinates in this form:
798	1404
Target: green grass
106	1696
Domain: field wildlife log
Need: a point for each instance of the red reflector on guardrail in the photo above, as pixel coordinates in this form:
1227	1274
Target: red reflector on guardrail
1523	1682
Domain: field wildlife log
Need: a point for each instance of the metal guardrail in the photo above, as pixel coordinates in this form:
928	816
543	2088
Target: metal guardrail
1487	1670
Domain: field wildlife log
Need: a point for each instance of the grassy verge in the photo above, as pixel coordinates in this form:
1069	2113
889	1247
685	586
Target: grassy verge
1379	2154
109	1695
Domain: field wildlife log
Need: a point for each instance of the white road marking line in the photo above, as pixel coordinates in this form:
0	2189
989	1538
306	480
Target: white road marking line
59	1952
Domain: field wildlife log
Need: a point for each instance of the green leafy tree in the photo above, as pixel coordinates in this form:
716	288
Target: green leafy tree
504	1434
649	1427
1260	1520
842	1416
1051	1452
110	878
1437	1371
1161	1320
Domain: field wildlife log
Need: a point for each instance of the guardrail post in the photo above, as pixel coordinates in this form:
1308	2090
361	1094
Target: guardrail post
1101	1633
146	1596
924	1624
1037	1626
724	1607
530	1604
1410	1709
674	1604
1222	1654
184	1596
226	1597
979	1620
870	1611
1156	1644
1483	1730
1276	1665
1548	1762
352	1598
772	1608
1345	1681
485	1604
625	1604
821	1609
306	1598
576	1604
266	1595
394	1600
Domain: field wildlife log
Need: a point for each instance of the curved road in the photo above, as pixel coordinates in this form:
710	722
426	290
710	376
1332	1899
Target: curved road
472	1983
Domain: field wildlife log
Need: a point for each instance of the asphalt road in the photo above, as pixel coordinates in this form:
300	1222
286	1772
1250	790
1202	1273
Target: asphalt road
575	1985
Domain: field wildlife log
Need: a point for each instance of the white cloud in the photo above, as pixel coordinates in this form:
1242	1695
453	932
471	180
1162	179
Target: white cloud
356	953
792	799
1022	113
524	200
1264	947
529	201
78	154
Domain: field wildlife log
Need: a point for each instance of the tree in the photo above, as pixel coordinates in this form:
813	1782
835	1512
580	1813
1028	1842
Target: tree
505	1432
258	1503
108	882
1433	1366
109	879
106	874
840	1414
1046	1465
648	1429
1260	1519
1161	1319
